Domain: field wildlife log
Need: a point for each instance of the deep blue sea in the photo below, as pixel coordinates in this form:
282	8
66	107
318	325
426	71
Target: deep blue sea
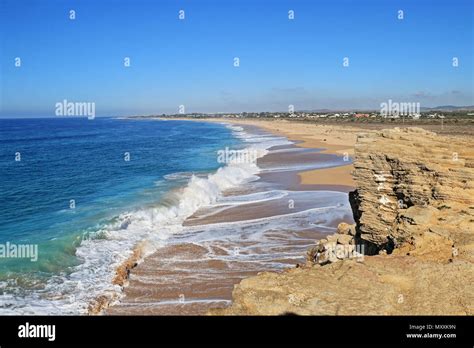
68	183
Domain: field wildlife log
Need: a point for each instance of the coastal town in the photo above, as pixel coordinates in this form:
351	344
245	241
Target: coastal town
309	115
365	115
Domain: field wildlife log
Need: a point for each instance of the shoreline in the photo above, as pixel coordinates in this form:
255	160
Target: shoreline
332	139
338	179
317	137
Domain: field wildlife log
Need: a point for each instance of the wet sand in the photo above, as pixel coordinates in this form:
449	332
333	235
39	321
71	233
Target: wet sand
197	270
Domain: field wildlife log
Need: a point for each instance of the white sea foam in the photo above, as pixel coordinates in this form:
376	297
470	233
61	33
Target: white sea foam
256	197
267	238
301	167
103	251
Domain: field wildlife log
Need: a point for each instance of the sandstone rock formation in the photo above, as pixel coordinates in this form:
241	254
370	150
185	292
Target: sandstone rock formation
414	213
411	182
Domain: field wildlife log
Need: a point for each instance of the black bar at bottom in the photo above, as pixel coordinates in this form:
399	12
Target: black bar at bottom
288	330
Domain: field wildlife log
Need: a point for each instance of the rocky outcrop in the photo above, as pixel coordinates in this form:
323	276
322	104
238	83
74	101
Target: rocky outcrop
381	285
414	213
339	246
412	183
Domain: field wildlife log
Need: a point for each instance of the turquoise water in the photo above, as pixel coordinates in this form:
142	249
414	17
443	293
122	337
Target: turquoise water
47	163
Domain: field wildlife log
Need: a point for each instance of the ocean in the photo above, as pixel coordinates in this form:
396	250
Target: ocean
85	193
70	186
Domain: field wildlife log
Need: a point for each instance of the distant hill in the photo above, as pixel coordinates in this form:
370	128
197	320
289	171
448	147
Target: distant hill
436	108
449	108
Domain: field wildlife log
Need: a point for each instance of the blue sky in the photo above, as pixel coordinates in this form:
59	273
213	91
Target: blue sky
190	62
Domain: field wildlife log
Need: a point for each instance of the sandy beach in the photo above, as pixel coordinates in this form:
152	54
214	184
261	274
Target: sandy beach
191	276
333	139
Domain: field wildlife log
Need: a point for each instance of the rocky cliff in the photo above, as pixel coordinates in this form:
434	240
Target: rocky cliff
411	250
413	183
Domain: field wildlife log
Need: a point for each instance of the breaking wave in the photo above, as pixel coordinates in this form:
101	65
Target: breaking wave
102	251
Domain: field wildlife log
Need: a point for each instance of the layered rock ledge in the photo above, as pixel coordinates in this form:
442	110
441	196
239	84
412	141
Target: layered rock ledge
411	250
